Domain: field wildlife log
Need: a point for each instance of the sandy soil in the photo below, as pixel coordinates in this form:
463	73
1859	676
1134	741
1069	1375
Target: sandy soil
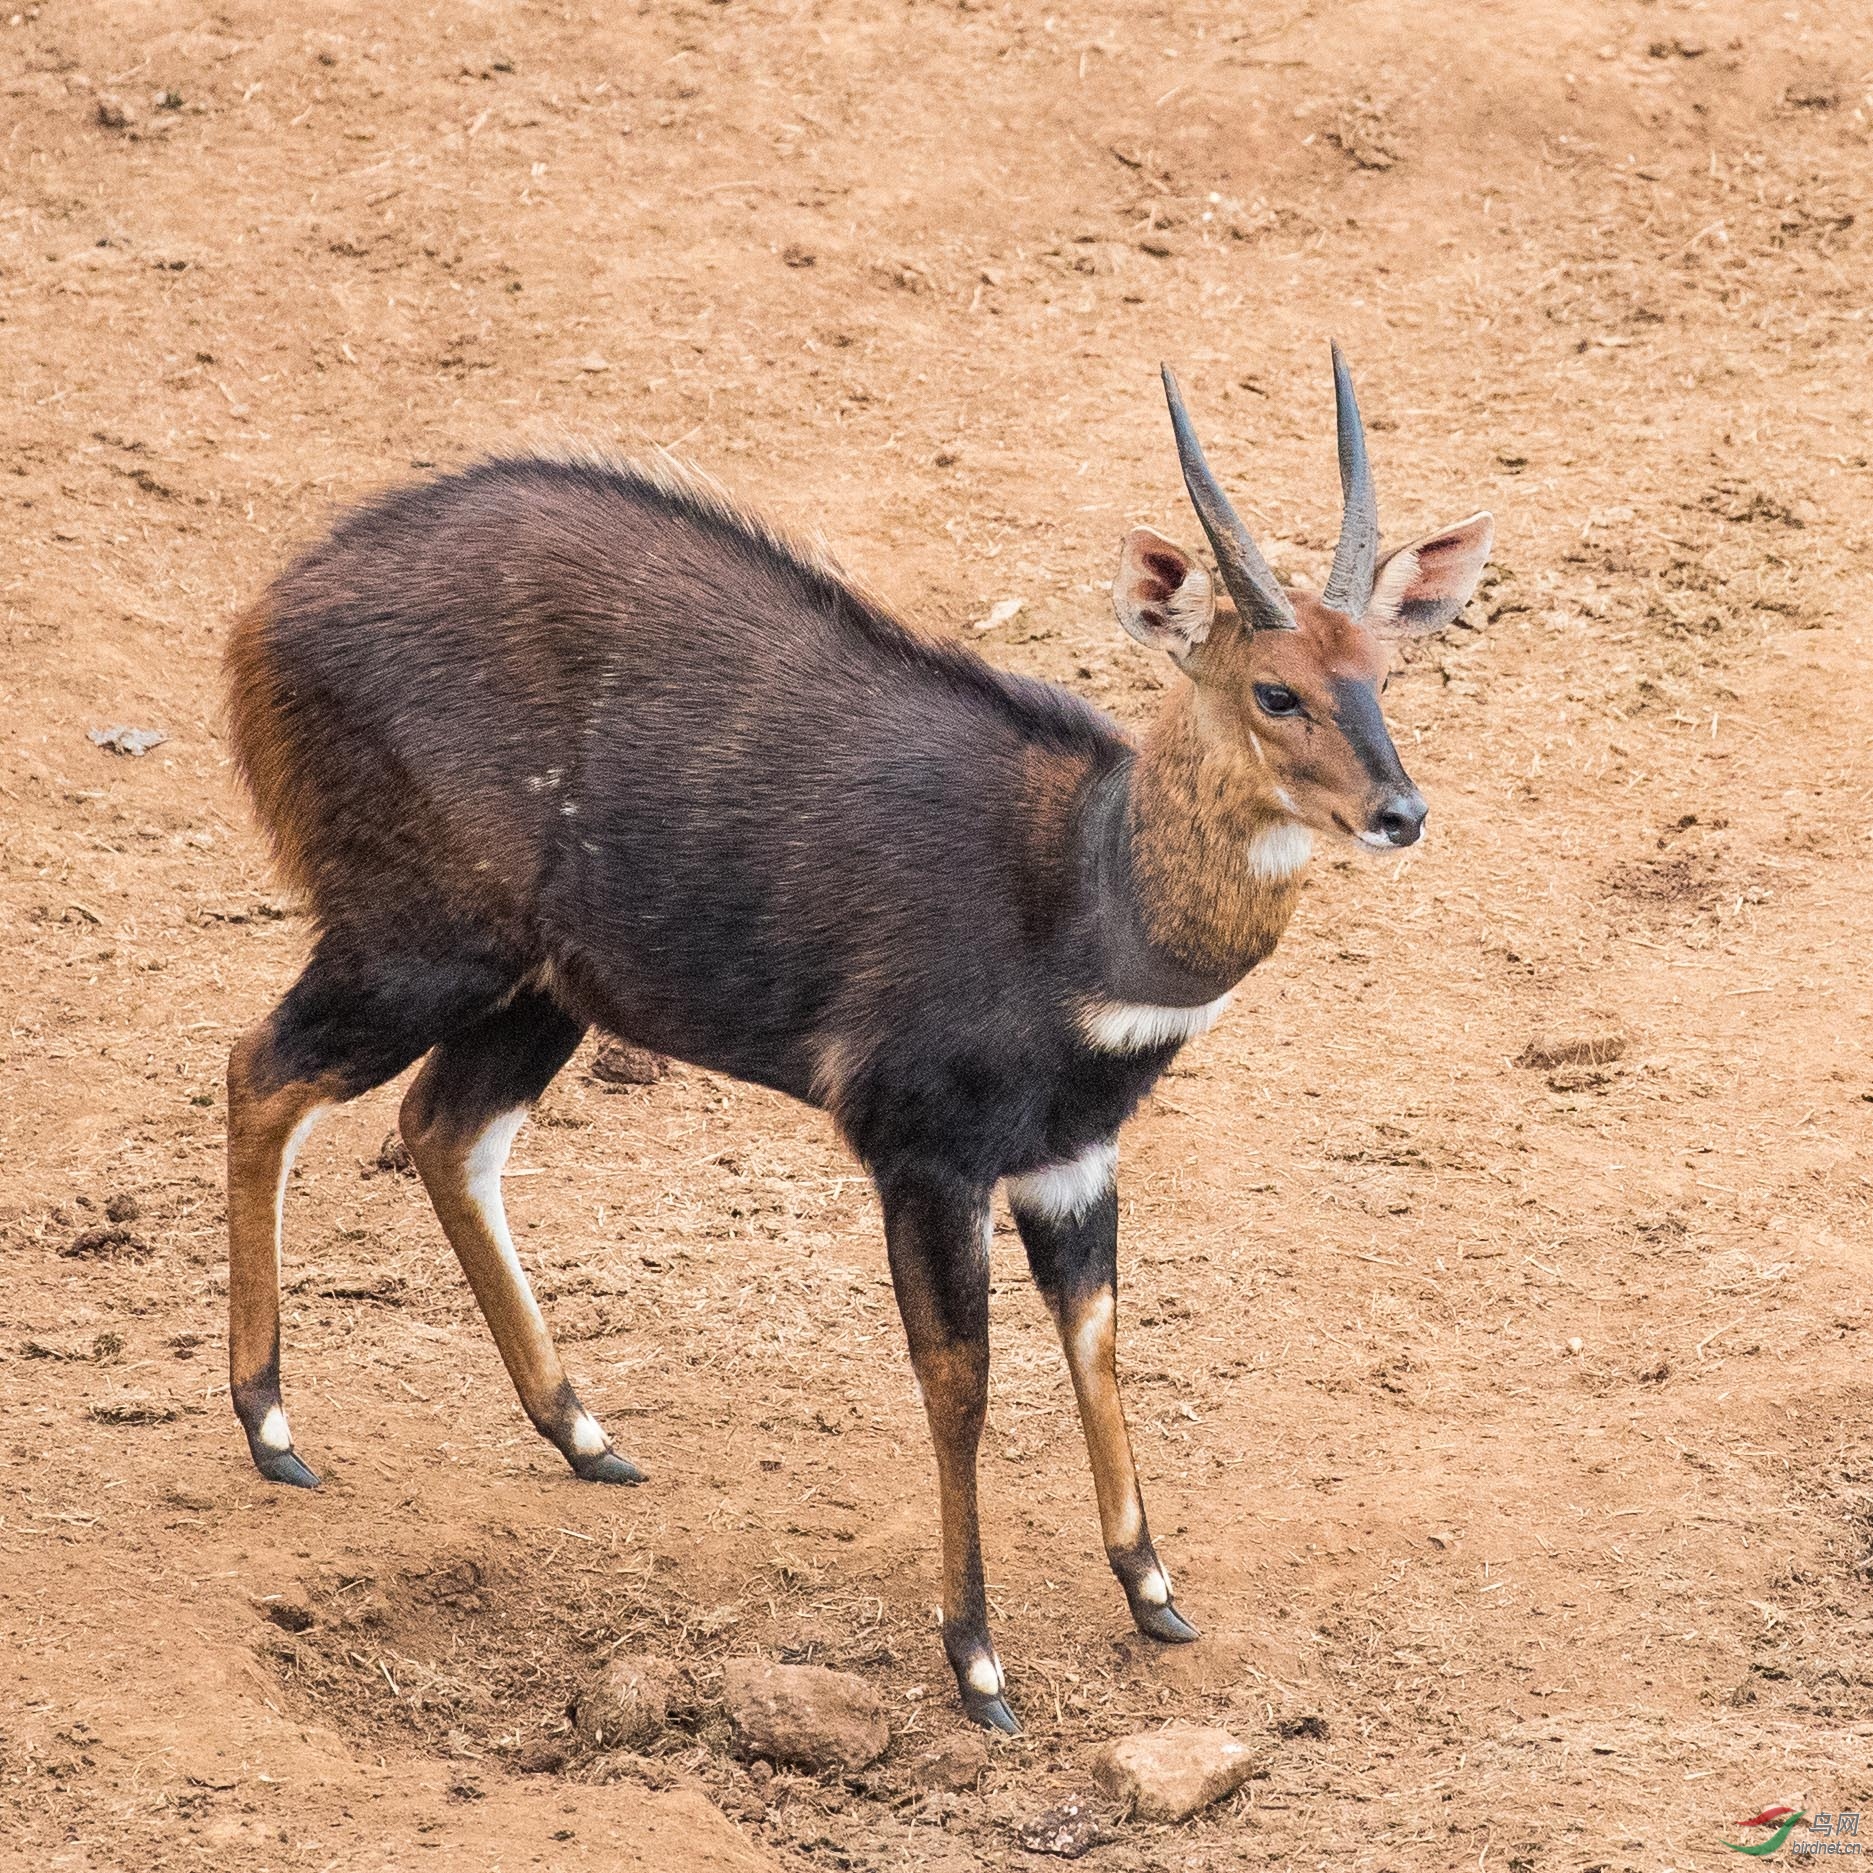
1508	1428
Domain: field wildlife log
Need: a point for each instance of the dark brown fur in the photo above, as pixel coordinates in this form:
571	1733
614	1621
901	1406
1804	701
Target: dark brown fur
554	744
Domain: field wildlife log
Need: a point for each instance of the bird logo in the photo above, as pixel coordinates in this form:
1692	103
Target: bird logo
1781	1820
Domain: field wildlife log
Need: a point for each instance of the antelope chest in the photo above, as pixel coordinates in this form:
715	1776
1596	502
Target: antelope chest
1097	1089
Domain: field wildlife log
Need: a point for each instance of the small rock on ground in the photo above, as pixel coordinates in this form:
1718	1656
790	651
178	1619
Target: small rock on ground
393	1155
134	1408
627	1704
1169	1775
619	1063
100	1243
1066	1832
953	1762
1547	1051
540	1757
119	739
804	1715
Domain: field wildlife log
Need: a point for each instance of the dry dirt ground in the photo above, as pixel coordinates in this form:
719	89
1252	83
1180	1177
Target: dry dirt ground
1509	1428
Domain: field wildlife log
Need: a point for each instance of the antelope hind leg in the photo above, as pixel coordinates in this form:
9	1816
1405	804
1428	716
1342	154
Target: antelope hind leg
459	1120
340	1030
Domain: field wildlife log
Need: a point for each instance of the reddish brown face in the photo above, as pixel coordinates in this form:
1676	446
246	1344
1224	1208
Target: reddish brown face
1306	704
1303	703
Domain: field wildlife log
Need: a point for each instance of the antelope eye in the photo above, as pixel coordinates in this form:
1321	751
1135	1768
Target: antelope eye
1276	699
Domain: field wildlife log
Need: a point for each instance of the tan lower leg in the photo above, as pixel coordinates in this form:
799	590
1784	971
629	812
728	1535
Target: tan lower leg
1087	1332
463	1178
954	1382
266	1127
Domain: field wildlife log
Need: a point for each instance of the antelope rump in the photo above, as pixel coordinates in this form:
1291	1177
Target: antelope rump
554	744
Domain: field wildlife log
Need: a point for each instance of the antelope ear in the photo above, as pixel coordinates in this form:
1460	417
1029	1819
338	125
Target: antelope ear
1421	587
1162	596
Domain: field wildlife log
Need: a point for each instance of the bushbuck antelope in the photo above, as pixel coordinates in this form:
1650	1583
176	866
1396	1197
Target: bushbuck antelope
552	744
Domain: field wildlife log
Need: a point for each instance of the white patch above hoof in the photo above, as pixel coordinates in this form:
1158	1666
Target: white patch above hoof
985	1675
273	1432
1064	1190
1136	1027
588	1438
1278	852
1155	1588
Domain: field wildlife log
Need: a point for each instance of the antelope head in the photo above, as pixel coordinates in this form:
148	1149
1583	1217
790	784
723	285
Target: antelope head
1288	679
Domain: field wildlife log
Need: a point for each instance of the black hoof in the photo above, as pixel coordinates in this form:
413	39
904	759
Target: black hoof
284	1466
607	1467
1165	1624
990	1712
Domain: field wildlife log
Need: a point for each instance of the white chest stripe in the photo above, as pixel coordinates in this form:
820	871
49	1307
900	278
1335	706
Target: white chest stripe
1064	1190
1132	1027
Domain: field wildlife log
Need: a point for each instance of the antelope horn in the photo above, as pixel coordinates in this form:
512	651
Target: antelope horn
1356	557
1258	594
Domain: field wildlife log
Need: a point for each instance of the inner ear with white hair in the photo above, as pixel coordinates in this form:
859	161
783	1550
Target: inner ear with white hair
1162	596
1420	588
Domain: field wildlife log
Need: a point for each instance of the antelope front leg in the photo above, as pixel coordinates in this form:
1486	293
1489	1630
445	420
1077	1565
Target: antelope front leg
936	1235
1069	1222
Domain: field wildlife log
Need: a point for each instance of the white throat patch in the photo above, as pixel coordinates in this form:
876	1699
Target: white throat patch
1279	851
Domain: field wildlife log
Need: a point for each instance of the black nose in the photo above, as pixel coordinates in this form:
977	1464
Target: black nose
1401	818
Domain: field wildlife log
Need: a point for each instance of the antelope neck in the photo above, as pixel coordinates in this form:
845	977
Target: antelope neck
1182	911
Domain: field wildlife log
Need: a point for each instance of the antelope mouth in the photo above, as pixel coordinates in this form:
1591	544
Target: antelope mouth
1371	841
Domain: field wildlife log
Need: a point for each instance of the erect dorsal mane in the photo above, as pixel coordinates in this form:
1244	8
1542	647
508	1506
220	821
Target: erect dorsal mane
1044	711
689	488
